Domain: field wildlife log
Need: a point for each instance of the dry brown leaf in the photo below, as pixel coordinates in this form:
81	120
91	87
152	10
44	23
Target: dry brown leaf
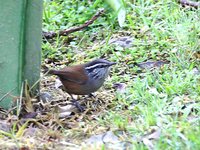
120	87
27	99
153	135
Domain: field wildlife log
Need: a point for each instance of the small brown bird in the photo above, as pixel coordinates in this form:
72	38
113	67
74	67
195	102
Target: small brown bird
84	79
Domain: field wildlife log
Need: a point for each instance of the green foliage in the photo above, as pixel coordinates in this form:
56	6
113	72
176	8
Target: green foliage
118	6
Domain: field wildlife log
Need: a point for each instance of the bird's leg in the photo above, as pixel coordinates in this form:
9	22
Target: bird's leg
94	96
76	103
91	95
95	101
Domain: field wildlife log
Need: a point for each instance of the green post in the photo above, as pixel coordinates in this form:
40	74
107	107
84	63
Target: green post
20	46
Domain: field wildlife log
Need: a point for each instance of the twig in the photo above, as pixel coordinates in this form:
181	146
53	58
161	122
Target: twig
51	34
189	3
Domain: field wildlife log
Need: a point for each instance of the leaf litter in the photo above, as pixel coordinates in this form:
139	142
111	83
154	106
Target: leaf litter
45	121
54	118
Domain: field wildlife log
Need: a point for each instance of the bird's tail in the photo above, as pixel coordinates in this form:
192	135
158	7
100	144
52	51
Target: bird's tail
54	72
47	71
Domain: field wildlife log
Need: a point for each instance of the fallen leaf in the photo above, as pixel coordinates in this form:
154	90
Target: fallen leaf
110	137
5	126
58	83
64	114
151	64
120	87
30	115
95	139
67	108
31	131
45	97
124	42
148	143
153	135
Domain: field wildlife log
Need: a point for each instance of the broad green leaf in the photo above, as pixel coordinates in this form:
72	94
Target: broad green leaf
118	6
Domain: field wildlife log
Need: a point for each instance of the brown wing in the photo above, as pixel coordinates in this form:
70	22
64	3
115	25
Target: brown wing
78	76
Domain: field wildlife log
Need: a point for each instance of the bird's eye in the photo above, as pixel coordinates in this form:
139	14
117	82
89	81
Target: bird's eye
101	66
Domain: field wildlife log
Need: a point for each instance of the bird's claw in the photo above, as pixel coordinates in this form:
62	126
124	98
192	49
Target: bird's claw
80	108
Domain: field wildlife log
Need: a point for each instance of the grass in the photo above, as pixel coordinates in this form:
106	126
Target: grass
165	99
169	97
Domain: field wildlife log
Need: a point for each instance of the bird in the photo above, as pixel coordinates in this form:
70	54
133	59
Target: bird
83	79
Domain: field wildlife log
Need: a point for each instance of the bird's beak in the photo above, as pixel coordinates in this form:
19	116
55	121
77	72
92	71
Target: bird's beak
112	63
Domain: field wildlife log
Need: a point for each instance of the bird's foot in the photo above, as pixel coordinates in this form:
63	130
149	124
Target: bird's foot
76	103
91	95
